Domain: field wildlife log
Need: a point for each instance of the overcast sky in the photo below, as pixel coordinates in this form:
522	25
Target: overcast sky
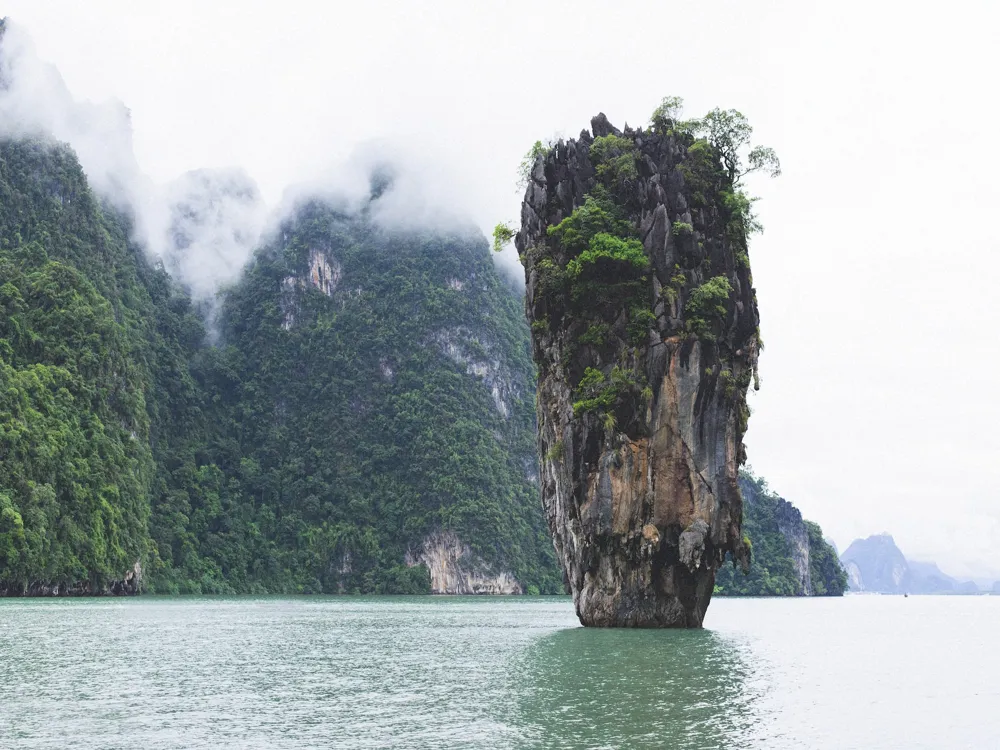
877	274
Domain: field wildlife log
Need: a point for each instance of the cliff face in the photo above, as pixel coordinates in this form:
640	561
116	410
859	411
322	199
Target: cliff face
455	569
790	525
876	564
644	326
790	556
129	585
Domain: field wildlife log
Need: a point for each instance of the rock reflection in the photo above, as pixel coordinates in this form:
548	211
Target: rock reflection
596	688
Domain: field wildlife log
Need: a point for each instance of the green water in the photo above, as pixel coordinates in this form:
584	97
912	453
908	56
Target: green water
857	672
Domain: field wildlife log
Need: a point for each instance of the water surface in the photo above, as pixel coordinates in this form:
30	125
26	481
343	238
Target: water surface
856	672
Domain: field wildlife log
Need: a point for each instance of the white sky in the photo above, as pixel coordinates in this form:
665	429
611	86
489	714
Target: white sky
877	275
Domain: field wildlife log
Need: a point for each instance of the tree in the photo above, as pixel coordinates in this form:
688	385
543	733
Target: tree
729	133
502	235
528	162
668	111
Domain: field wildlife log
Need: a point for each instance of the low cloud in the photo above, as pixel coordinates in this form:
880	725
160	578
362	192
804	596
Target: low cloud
202	226
205	225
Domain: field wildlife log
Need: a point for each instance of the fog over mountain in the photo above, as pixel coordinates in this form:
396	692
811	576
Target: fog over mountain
204	224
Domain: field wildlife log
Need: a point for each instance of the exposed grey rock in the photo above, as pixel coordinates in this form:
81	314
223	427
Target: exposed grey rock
129	585
691	547
454	569
876	564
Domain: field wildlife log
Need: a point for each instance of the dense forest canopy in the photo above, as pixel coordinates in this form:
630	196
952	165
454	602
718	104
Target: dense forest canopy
369	387
789	555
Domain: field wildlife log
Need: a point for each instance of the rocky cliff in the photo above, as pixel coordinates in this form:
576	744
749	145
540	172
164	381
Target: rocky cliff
644	326
455	569
790	556
790	525
876	564
129	584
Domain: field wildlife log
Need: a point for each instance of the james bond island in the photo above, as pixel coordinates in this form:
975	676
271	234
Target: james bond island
645	332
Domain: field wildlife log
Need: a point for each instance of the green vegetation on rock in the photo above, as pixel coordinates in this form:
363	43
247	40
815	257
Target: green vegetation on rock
789	555
594	267
370	387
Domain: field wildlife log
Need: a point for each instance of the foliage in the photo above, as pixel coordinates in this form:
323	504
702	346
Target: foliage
75	459
610	258
742	220
596	334
614	157
725	135
596	215
502	235
294	457
335	443
537	150
599	394
667	113
772	567
640	321
729	131
827	574
707	307
556	452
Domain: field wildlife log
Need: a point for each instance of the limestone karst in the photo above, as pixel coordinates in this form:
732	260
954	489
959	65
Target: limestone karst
645	332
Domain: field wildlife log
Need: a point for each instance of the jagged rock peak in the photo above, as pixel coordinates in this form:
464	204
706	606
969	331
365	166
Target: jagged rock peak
645	332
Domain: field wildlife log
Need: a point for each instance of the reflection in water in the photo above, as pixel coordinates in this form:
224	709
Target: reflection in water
597	688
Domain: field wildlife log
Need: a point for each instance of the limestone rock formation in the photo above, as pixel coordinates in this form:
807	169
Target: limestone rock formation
792	527
645	332
130	584
455	569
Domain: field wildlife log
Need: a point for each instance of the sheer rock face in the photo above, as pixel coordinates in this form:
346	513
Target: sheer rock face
792	526
643	509
455	569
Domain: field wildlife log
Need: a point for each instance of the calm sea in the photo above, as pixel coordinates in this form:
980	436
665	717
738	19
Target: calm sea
857	672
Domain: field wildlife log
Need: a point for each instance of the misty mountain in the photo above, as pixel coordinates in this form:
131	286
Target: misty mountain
203	226
877	565
365	422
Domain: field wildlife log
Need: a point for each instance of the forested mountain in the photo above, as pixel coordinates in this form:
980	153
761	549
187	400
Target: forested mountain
76	385
364	423
372	410
789	556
